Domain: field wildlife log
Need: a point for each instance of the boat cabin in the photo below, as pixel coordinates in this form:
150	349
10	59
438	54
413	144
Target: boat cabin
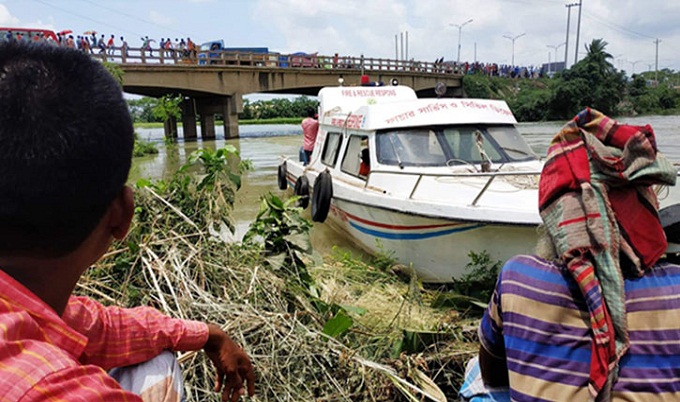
379	129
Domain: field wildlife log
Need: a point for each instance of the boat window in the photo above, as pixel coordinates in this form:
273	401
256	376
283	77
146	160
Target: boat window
411	147
510	141
352	163
331	148
442	145
467	143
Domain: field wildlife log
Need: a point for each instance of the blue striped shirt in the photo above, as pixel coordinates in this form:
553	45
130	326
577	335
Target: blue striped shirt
538	322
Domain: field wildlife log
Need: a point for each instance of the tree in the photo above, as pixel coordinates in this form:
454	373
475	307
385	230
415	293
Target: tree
592	82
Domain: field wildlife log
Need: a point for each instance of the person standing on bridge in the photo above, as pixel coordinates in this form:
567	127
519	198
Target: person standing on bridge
60	210
310	128
123	47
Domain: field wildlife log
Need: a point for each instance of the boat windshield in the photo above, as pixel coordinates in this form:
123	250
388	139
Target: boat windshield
450	145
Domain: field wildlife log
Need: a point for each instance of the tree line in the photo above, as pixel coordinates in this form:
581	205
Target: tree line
150	110
592	82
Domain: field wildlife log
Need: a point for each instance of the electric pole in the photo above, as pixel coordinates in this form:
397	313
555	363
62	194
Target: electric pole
578	32
566	47
656	65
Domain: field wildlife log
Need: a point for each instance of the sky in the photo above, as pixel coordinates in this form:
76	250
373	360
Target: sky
374	28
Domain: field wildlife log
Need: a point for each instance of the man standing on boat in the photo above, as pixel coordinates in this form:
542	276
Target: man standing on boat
594	315
310	128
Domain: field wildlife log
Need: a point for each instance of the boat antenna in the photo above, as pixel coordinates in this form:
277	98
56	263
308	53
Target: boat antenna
344	126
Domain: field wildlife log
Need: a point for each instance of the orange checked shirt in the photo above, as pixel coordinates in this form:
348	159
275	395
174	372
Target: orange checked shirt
47	357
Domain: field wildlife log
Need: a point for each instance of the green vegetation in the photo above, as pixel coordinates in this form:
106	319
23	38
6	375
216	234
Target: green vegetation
332	328
277	108
154	111
115	71
282	120
142	147
592	82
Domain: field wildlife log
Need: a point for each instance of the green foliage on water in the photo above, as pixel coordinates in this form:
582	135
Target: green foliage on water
592	82
278	108
142	147
151	112
168	106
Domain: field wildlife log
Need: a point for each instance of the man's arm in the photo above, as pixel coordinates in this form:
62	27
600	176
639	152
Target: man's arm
121	337
494	369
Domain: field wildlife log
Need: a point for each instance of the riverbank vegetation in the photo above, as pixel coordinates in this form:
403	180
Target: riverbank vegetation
592	82
152	112
317	328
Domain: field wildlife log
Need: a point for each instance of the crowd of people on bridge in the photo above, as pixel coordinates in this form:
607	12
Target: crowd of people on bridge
89	42
181	49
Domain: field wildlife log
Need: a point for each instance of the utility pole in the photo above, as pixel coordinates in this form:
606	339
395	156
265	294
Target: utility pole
406	46
460	28
401	35
566	48
513	38
578	32
656	65
396	46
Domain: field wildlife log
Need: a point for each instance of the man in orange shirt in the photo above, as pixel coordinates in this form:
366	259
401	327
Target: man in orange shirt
67	148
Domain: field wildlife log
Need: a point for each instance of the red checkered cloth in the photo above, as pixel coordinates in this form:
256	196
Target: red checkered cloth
596	201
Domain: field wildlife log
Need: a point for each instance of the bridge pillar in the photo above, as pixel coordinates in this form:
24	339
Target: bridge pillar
228	106
231	107
189	119
207	125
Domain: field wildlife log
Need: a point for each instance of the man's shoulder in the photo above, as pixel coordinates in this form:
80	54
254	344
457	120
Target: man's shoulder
25	363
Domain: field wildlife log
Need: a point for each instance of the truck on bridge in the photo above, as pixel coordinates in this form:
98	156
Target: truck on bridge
214	52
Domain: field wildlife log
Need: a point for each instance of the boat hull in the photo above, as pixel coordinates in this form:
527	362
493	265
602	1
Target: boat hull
438	250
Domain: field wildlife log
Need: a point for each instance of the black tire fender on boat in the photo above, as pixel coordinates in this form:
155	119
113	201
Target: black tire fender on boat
670	220
302	190
321	196
282	180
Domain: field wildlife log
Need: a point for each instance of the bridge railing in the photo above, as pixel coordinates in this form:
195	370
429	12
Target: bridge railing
273	60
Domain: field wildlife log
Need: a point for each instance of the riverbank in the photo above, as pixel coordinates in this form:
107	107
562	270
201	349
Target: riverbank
337	327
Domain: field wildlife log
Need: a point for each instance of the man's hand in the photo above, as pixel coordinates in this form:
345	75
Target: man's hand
232	364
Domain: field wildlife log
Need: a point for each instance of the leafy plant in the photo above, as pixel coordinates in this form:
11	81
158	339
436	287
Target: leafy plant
168	106
473	290
284	234
116	71
142	147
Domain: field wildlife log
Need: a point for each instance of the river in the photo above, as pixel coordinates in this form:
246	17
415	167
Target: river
263	144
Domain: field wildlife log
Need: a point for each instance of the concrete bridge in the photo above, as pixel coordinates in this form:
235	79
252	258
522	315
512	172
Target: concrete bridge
214	83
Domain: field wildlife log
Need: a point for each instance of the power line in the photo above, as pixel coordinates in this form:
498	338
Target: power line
133	17
616	27
86	17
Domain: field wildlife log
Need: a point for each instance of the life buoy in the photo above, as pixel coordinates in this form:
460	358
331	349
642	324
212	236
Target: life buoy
321	196
302	190
283	172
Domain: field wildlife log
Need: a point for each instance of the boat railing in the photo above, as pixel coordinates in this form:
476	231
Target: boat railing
491	177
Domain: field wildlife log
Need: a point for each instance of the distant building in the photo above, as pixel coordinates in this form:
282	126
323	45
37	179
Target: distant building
552	68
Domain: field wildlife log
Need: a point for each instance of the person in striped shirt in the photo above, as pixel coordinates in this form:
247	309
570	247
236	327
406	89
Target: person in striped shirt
66	151
594	315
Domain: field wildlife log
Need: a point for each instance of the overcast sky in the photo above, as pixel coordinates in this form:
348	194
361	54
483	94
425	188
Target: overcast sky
354	27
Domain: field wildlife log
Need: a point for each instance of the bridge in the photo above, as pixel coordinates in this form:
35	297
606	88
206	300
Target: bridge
214	82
